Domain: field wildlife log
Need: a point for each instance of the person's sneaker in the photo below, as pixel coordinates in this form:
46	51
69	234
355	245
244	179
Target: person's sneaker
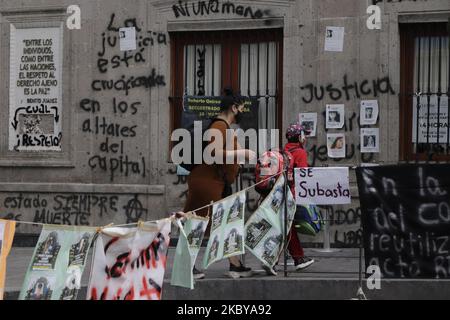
197	274
269	271
239	272
302	263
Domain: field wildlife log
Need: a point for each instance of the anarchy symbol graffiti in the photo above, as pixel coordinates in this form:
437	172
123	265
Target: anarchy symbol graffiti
134	210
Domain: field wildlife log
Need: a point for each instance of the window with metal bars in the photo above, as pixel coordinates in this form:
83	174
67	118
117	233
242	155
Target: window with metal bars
249	61
425	89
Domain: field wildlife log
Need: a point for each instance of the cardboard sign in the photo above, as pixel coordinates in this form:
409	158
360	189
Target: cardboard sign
322	186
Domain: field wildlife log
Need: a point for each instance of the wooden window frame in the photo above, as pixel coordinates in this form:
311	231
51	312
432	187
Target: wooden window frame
231	41
408	31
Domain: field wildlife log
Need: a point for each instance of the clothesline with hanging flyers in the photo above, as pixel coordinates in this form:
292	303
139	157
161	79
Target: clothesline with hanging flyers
171	218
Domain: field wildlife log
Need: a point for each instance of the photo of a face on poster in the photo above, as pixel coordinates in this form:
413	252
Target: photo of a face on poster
335	116
336	145
309	122
370	140
369	112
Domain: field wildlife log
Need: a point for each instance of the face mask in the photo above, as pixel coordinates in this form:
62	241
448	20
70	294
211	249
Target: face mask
238	117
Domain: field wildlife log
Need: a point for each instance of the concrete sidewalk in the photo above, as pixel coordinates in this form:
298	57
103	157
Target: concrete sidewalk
332	276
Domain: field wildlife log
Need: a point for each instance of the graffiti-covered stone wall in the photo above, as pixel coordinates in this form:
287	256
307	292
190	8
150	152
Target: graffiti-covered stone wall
86	124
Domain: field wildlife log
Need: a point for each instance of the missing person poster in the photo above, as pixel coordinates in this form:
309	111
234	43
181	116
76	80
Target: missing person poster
7	230
336	145
198	108
227	230
309	122
370	140
430	121
368	112
335	116
334	39
265	228
57	264
322	186
127	38
189	243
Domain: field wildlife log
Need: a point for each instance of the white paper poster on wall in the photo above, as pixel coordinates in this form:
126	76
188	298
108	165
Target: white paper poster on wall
322	186
370	140
369	112
309	122
335	116
127	38
334	39
429	122
336	145
35	109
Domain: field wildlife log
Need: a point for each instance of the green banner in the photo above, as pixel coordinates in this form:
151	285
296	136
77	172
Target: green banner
188	247
57	264
265	228
227	229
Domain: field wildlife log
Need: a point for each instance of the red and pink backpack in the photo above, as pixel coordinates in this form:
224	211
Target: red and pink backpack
269	168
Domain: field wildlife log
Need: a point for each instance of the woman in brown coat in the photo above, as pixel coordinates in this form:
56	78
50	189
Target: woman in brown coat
207	182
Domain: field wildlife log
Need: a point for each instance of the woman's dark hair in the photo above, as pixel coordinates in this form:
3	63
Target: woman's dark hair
334	145
229	99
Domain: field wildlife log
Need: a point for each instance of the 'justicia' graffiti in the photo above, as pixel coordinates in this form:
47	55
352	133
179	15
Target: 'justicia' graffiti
348	91
112	121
